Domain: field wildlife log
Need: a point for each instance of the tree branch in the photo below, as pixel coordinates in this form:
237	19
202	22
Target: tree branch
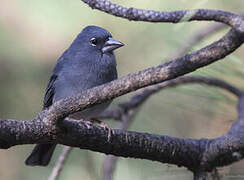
134	14
138	99
60	163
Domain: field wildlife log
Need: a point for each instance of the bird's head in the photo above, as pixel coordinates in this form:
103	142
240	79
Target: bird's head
97	38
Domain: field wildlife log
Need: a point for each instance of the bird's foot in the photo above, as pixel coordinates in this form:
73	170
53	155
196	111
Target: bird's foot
88	124
104	126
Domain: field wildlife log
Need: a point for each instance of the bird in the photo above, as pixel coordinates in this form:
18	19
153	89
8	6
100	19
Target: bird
88	62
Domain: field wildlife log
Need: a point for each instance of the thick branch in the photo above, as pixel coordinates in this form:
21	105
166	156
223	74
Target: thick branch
122	143
134	14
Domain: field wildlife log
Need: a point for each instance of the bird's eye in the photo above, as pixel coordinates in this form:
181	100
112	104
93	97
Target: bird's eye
93	41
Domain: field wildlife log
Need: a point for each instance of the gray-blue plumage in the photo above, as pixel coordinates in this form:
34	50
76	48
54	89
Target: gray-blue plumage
88	62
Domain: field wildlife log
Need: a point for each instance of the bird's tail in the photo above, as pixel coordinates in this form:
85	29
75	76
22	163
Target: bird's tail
40	155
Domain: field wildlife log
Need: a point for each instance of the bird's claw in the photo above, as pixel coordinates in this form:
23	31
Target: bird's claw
110	131
105	127
88	124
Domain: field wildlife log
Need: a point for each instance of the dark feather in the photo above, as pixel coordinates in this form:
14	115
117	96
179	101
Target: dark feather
48	98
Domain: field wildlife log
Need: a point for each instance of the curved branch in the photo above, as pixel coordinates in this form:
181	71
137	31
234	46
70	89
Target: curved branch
228	148
141	97
134	14
122	143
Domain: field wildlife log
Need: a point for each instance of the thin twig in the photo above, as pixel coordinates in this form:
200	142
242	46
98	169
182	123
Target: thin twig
60	163
147	92
196	39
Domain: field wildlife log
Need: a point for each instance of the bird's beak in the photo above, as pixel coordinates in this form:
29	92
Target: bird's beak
111	44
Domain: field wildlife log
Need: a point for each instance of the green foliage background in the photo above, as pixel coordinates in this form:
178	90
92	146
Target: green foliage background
33	34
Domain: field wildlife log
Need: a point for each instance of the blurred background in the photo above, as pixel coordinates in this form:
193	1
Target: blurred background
34	34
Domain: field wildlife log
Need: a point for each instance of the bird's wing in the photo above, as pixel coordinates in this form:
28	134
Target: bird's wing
49	91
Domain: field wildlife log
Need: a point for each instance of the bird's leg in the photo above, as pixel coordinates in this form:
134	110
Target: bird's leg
103	125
